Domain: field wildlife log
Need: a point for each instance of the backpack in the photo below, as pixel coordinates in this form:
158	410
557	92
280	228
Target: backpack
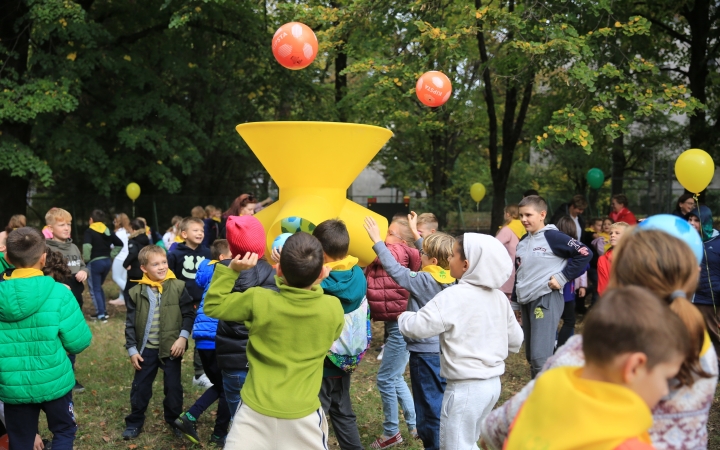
348	350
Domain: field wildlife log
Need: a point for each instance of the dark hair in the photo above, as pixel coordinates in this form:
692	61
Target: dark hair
596	219
399	216
460	241
535	201
97	215
530	192
15	222
633	319
25	246
566	225
219	247
579	202
301	260
238	204
620	198
56	266
137	224
334	238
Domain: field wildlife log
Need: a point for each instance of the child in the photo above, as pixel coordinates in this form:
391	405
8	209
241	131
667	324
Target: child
346	281
542	269
509	236
290	334
211	226
4	265
158	302
121	224
427	385
40	322
204	332
184	261
59	222
631	354
172	235
387	301
137	240
56	266
579	285
97	251
477	328
605	261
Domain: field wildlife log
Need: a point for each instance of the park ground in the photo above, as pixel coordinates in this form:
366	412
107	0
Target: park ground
104	369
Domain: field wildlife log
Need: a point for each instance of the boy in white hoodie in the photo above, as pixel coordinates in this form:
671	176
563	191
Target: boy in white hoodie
477	328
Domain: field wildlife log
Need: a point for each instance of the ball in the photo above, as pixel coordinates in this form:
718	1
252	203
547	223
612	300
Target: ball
677	227
280	240
433	88
290	224
294	45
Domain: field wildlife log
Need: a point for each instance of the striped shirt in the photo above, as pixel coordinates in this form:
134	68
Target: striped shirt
153	340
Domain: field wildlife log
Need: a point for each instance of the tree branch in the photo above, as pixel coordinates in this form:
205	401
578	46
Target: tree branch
669	31
675	69
489	97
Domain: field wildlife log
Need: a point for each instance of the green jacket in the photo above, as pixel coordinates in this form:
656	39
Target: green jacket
39	322
177	315
290	331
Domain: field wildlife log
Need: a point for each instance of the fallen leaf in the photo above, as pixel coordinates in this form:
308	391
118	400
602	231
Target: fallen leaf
132	446
106	438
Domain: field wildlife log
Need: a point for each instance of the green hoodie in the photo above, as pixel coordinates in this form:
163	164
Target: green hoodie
39	322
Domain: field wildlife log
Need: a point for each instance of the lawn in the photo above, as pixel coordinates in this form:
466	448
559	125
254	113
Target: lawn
105	371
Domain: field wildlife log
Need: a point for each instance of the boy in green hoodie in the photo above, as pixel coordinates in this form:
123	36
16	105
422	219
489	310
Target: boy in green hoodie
290	334
39	322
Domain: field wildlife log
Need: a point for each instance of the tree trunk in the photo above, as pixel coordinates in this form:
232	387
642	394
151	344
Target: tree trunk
699	22
618	165
341	82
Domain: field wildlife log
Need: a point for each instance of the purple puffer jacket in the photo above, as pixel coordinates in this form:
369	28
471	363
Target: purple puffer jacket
386	298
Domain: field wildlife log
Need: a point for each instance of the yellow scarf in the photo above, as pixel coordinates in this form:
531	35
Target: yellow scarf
24	273
156	284
99	227
179	239
346	263
517	227
216	219
606	239
601	415
439	274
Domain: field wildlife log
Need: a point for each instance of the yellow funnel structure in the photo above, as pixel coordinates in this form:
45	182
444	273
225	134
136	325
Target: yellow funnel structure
313	164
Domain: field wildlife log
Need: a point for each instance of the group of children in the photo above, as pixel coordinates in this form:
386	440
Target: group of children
279	336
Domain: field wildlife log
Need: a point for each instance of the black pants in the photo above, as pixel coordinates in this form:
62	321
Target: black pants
568	327
215	392
22	423
141	391
76	288
335	401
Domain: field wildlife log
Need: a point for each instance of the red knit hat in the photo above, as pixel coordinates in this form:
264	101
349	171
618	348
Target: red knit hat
245	234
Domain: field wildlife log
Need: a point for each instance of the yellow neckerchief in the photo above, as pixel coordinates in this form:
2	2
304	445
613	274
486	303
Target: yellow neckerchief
517	227
439	274
346	263
179	239
706	344
28	272
606	239
99	227
156	284
213	262
601	415
216	219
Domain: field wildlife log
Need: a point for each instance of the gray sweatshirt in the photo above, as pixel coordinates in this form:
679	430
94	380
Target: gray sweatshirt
71	252
422	288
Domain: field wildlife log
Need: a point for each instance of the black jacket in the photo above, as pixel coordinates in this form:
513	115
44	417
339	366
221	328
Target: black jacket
98	245
184	262
232	337
137	241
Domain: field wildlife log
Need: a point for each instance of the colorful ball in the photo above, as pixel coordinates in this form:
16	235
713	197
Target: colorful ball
294	45
433	88
290	224
280	240
677	227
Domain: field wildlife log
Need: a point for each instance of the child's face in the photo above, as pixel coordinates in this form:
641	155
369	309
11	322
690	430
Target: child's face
60	230
425	230
695	222
217	213
394	233
458	265
3	242
615	235
425	260
598	226
532	219
156	268
606	226
194	234
652	385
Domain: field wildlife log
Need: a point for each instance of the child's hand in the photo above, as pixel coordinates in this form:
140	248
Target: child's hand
581	292
372	229
38	445
275	255
128	268
178	348
247	262
553	284
136	359
412	220
81	276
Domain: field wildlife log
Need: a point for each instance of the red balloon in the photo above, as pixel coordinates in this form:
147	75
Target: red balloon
433	88
295	45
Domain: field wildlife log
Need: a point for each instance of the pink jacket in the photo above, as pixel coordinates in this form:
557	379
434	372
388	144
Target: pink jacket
386	298
509	240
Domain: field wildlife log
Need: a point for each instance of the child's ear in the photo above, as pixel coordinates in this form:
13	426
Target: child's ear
635	365
324	273
279	270
433	261
143	269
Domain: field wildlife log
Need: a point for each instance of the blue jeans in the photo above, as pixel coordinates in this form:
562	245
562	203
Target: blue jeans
391	383
99	270
428	388
233	381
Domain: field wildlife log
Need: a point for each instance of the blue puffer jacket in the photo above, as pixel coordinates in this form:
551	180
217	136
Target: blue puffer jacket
704	294
205	327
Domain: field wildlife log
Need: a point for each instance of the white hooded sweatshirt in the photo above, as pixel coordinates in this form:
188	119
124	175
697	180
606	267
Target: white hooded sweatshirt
474	319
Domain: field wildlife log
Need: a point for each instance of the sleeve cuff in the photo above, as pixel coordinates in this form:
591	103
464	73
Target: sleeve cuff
419	244
132	351
560	278
185	334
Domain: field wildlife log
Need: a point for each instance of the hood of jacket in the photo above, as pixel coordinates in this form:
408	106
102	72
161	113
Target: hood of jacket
183	249
61	246
205	273
140	237
22	297
489	263
349	286
706	221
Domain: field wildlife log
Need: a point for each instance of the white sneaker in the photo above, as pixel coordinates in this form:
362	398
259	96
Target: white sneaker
380	355
202	382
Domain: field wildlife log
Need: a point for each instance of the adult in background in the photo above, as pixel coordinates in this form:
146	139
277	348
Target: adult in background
575	209
121	224
244	205
620	211
685	204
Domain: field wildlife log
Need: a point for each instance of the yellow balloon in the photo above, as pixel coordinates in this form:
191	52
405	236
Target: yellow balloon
133	191
694	170
477	192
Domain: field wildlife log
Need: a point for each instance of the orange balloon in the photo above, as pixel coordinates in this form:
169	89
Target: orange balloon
433	88
295	45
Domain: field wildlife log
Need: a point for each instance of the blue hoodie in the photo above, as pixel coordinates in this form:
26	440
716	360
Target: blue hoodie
205	327
708	286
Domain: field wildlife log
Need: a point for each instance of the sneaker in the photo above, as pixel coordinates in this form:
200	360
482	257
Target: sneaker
217	441
131	433
100	317
175	431
117	302
380	355
104	318
202	381
187	425
78	388
387	442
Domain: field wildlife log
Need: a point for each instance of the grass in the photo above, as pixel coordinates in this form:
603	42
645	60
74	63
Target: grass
105	371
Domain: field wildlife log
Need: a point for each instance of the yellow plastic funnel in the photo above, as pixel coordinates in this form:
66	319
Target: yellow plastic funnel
313	164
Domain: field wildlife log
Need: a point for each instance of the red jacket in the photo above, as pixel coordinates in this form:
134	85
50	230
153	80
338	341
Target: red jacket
624	215
386	298
603	269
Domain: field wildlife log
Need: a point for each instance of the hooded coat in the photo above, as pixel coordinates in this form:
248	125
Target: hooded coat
386	298
184	262
476	324
708	285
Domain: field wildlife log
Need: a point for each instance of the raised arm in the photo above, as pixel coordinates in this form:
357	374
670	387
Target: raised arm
222	303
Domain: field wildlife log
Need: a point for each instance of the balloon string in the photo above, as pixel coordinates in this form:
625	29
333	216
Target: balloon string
707	265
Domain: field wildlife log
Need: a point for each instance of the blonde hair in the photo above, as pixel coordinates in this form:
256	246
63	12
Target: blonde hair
144	255
198	212
57	214
440	246
428	219
174	224
513	211
663	264
185	223
124	221
406	232
616	225
210	210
